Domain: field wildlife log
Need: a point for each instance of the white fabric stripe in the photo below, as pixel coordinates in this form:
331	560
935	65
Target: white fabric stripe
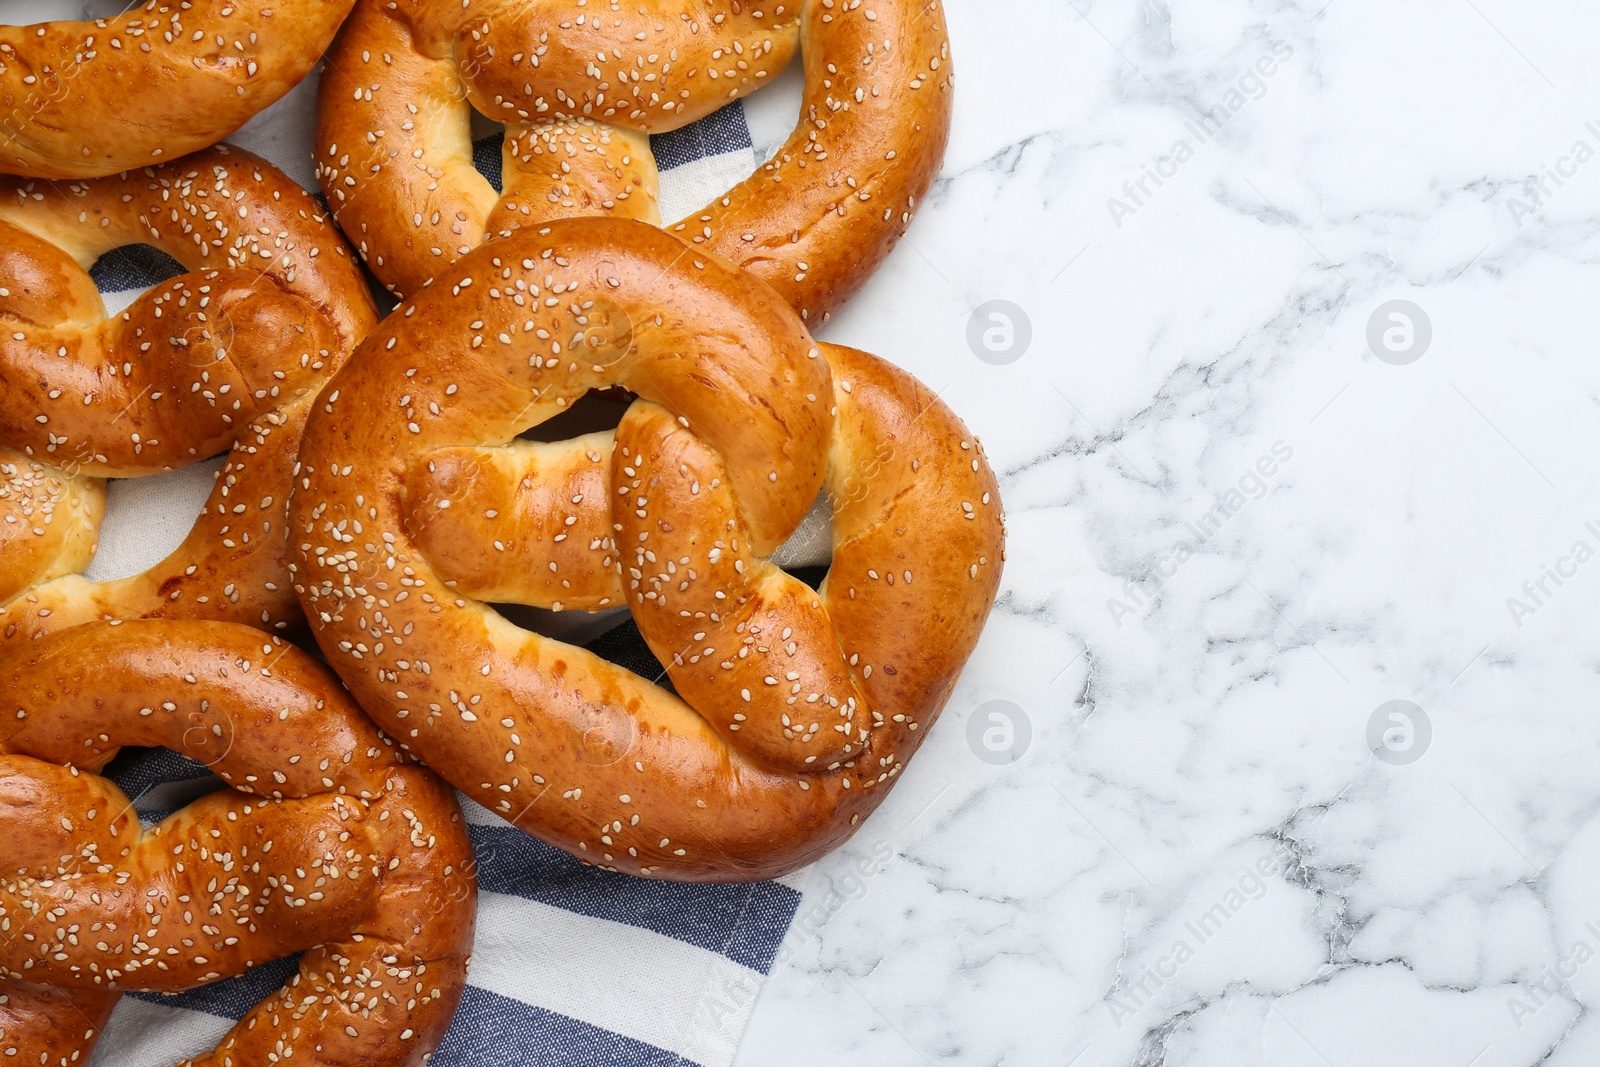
144	1034
694	185
117	303
811	544
797	880
629	980
148	518
771	113
476	814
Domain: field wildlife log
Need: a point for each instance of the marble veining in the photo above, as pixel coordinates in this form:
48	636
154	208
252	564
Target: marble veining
1296	636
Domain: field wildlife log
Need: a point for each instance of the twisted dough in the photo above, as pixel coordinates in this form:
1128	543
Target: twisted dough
89	99
580	87
329	842
231	354
795	710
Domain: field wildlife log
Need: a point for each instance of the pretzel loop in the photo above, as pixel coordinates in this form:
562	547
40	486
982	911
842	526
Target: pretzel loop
225	357
580	91
329	843
89	99
794	709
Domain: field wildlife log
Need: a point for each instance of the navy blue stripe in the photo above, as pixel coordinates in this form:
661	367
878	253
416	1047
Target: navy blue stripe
137	769
133	267
495	1031
724	130
745	923
231	998
486	158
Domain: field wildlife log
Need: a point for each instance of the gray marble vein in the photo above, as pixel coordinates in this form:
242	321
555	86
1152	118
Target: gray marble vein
1300	599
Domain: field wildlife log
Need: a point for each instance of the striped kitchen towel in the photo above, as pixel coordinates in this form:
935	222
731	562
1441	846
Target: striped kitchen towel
572	966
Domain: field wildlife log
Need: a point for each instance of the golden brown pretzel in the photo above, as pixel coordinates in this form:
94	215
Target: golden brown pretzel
414	502
330	842
87	99
580	86
230	354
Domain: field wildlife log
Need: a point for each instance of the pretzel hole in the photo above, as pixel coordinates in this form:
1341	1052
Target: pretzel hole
598	409
716	152
810	548
147	518
127	272
770	113
614	636
159	781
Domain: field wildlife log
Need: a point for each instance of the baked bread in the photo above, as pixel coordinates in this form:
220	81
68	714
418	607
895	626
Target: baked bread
581	87
226	357
329	842
168	77
416	507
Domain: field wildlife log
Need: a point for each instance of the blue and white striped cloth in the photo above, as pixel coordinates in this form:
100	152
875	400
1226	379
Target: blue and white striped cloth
573	967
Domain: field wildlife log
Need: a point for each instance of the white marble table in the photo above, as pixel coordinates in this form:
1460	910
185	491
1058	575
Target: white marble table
1198	858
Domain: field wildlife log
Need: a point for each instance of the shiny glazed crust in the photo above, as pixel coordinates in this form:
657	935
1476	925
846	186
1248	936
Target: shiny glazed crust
796	710
226	357
168	77
579	88
330	842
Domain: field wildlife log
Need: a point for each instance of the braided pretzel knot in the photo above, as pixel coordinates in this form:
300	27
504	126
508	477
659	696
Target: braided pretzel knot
580	85
796	709
88	99
230	354
330	842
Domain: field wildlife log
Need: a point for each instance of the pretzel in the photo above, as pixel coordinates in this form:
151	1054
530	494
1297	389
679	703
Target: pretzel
89	99
796	710
230	354
330	842
579	87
